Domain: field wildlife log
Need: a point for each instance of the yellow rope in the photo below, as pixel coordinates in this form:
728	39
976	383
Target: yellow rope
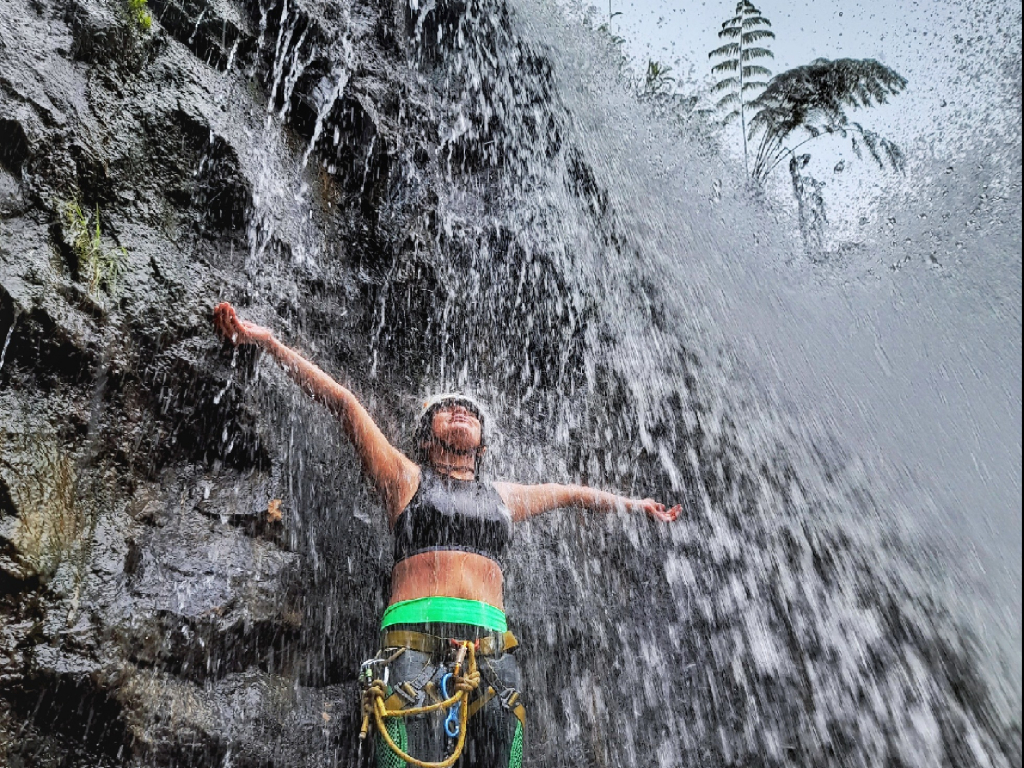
373	702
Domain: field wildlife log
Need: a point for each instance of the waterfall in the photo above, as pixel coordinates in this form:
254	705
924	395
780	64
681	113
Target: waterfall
468	196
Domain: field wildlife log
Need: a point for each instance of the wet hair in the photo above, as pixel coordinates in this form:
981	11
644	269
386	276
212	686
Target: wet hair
424	435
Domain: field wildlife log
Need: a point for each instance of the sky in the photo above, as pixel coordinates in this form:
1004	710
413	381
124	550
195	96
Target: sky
943	49
935	45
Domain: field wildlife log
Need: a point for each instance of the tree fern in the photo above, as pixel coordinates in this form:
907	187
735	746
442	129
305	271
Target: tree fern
814	100
738	77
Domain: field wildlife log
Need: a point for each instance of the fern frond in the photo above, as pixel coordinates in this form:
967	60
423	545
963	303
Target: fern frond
729	98
726	50
732	115
856	147
815	98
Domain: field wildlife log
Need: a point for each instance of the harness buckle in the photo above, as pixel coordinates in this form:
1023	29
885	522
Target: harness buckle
408	693
508	698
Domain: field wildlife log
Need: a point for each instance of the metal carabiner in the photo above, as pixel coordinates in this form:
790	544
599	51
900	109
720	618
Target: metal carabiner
367	671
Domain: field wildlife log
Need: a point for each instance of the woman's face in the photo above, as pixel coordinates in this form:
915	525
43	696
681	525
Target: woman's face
457	426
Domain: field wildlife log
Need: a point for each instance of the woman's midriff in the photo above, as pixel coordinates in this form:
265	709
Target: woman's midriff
449	573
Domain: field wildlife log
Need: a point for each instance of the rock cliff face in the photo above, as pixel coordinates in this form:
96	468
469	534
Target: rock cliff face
154	613
191	568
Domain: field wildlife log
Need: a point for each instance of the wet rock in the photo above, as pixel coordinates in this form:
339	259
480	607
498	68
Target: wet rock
249	719
14	147
214	30
67	717
298	159
213	600
39	520
100	34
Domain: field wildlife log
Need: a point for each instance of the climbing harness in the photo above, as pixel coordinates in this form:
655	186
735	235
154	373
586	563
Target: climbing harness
375	696
489	645
382	704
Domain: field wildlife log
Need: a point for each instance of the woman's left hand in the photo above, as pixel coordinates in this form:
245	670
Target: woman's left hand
657	510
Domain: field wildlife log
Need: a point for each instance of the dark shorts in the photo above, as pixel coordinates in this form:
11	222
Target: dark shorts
494	734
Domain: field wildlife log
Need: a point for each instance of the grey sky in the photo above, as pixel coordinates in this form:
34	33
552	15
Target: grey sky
938	47
952	55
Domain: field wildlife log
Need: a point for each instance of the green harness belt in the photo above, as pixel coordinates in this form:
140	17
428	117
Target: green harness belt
446	610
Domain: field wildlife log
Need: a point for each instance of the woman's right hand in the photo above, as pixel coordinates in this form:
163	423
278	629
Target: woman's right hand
238	331
656	510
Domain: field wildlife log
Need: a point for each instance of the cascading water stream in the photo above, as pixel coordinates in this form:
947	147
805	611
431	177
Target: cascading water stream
443	195
279	194
797	603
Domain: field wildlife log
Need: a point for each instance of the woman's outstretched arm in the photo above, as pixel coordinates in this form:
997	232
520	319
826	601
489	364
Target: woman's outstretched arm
393	474
525	501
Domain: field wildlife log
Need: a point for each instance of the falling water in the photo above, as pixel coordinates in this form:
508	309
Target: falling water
444	196
7	341
607	300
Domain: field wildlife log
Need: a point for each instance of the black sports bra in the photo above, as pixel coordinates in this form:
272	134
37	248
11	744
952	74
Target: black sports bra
450	514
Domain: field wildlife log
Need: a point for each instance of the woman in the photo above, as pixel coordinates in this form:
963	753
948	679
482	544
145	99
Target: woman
446	612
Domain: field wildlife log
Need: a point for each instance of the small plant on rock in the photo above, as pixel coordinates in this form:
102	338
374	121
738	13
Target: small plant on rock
139	11
101	267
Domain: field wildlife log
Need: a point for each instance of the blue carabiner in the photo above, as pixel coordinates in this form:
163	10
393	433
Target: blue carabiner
451	722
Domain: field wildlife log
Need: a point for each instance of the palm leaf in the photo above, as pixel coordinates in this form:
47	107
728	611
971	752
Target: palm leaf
753	69
757	53
730	32
729	82
750	84
729	65
757	34
754	21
